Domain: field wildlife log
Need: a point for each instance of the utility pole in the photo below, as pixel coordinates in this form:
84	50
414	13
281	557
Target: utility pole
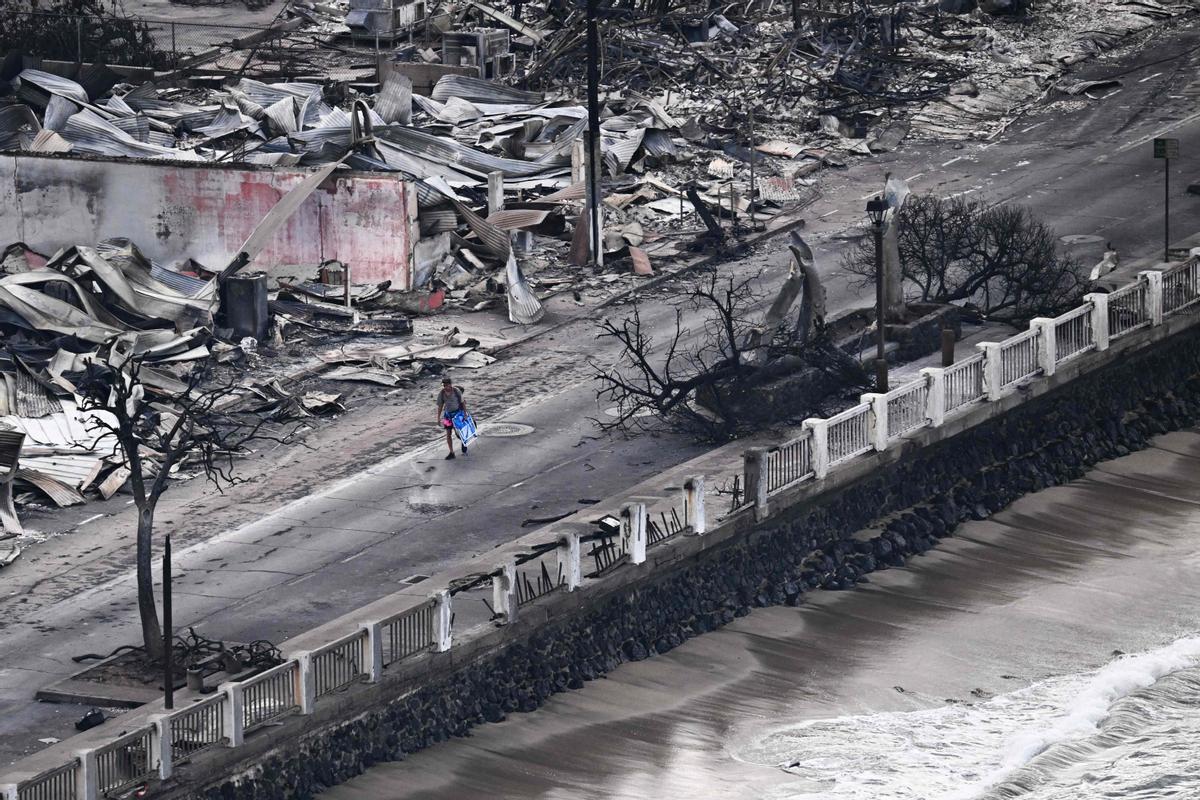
595	242
168	633
1166	149
752	160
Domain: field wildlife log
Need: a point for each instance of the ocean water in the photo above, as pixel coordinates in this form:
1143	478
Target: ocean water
1129	730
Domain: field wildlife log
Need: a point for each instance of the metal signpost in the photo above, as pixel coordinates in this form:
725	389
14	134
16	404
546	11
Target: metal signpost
1166	149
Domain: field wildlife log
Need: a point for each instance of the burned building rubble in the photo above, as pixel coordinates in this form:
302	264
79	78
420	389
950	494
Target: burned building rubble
454	136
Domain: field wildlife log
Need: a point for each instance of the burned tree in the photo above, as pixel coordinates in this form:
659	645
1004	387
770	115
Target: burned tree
80	30
158	423
998	258
728	372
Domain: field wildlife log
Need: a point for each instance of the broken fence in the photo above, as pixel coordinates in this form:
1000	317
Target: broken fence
156	44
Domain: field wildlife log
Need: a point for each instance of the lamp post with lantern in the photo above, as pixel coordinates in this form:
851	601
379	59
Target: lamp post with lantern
876	208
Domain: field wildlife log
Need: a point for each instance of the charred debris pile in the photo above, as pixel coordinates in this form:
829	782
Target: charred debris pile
714	119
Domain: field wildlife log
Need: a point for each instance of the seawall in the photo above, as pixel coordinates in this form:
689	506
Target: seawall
876	513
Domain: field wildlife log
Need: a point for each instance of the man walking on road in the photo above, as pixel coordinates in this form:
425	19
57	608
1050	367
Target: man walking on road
449	403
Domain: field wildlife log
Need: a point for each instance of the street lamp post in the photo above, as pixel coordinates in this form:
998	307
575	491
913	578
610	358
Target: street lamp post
875	211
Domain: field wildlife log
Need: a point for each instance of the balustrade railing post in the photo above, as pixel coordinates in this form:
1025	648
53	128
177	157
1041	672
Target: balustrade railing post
569	560
1047	344
160	745
820	446
878	419
88	778
442	626
993	369
373	650
751	475
1154	295
693	503
935	395
1099	301
504	592
762	486
234	711
306	682
634	515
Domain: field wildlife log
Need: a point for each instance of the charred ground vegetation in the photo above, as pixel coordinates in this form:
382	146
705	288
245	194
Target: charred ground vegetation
725	369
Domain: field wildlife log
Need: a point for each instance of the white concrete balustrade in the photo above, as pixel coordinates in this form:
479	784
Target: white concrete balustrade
993	373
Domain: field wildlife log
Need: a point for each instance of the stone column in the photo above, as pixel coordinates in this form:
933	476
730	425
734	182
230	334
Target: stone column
1099	303
1047	344
935	396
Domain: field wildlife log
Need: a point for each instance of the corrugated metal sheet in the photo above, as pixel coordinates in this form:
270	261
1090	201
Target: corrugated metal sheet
576	191
61	493
435	221
515	219
659	143
524	308
780	191
89	133
479	90
49	142
33	400
450	152
19	127
184	284
395	99
50	84
283	114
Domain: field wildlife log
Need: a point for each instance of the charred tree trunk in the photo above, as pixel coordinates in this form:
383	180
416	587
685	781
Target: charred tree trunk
151	630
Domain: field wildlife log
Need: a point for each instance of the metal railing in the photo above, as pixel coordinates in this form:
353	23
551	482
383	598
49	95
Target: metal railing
789	463
1019	358
1181	286
543	582
127	762
906	408
609	551
198	728
271	695
1127	309
964	383
60	783
338	665
661	529
1073	333
407	633
849	433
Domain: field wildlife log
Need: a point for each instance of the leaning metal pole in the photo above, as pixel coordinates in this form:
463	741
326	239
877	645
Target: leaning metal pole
881	370
595	243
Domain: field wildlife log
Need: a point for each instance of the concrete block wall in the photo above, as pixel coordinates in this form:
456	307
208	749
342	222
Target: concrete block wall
179	210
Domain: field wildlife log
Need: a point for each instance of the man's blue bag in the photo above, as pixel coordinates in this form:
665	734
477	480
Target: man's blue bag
464	426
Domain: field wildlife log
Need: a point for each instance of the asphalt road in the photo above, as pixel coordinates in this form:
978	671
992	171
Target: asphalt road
276	561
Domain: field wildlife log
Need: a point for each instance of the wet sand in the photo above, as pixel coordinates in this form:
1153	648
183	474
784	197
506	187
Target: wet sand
1052	585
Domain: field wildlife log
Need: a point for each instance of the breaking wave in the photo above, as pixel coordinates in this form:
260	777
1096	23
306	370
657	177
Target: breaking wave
1129	730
